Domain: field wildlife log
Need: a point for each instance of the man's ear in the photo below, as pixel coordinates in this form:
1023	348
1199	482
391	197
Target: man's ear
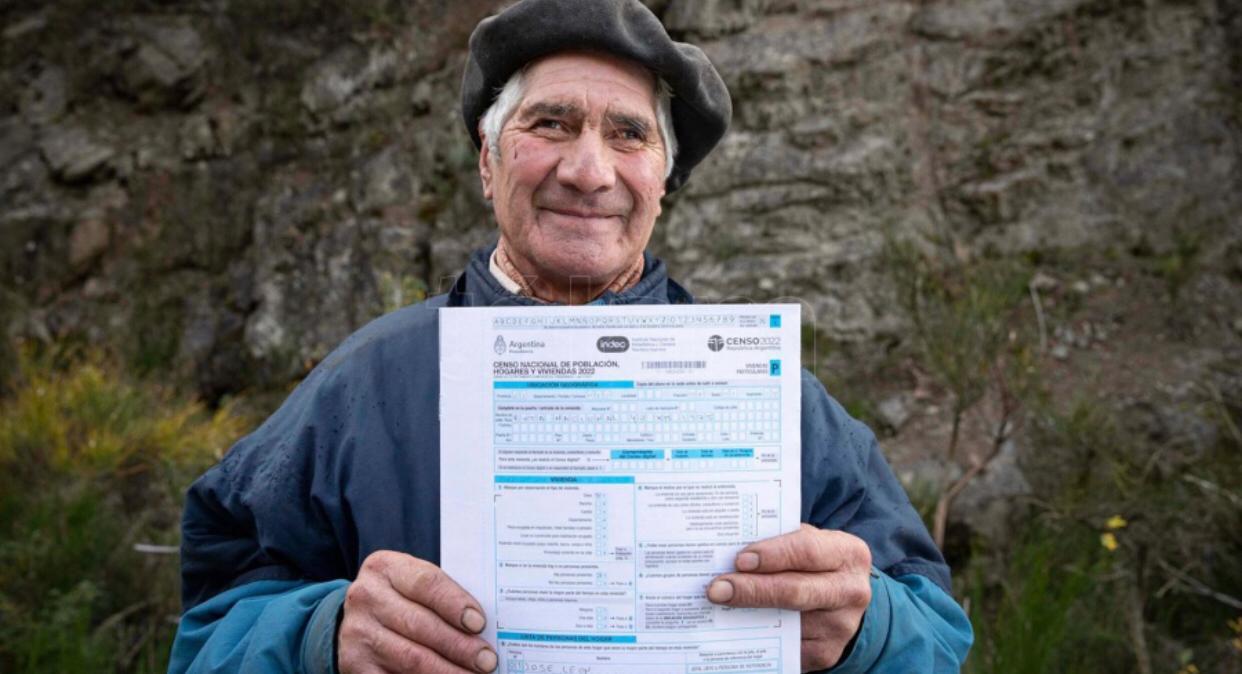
485	168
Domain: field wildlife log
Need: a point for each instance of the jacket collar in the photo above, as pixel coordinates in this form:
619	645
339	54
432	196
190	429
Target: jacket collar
476	287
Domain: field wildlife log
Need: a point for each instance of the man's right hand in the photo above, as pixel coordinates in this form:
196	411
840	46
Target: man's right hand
403	614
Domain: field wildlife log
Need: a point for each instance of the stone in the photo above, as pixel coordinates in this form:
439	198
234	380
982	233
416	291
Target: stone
26	26
72	153
165	68
197	138
149	72
98	288
1043	282
16	139
1081	287
711	18
894	411
231	124
87	241
383	180
176	38
989	502
1011	124
310	287
421	98
1083	336
926	475
198	334
342	75
999	199
1183	435
45	98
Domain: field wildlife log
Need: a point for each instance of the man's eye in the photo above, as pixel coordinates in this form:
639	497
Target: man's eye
633	134
553	124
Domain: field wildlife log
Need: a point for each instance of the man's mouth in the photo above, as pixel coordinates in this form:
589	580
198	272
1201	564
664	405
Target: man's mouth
580	213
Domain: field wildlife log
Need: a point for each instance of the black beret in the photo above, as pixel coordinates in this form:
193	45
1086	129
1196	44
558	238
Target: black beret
502	44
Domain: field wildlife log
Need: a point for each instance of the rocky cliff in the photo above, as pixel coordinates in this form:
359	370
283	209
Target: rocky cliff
228	189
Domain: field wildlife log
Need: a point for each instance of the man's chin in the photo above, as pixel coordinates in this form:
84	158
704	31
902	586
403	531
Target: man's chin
574	269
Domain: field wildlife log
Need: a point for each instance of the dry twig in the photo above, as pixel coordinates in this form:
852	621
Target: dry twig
1004	429
1198	587
1039	318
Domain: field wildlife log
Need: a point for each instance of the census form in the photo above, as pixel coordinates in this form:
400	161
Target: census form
600	465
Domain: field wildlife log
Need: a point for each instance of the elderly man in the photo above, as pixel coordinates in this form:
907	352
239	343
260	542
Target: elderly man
313	545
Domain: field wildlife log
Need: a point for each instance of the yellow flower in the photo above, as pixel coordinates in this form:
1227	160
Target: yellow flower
1189	669
1109	541
1116	522
1235	624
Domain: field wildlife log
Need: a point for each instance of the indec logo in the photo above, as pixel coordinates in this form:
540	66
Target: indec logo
616	344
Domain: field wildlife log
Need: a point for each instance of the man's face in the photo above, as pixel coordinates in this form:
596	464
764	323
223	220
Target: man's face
577	186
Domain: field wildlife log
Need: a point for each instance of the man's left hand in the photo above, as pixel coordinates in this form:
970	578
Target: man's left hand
824	574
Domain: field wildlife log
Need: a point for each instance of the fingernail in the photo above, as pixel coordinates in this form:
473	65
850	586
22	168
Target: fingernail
485	661
720	591
747	561
473	621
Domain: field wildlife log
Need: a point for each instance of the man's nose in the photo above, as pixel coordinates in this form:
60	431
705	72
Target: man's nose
587	164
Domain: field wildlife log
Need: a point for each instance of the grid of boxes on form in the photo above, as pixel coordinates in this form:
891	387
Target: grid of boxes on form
708	428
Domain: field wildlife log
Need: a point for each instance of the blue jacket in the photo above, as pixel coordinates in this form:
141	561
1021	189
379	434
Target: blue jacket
350	464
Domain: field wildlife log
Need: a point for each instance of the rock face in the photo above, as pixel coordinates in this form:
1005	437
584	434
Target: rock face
232	190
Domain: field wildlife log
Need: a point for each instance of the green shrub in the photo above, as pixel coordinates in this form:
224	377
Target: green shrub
1049	612
967	325
1131	564
91	463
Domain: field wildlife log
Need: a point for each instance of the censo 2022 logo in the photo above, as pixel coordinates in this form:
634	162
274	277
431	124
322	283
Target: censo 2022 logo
715	342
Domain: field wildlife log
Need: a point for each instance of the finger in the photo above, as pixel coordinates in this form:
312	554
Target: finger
421	625
807	549
425	583
821	654
793	590
398	654
825	635
829	625
356	651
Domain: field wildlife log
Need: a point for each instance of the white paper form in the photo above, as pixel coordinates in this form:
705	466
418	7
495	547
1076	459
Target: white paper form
600	465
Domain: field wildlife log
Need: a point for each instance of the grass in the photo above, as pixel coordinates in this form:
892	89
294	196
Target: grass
1048	610
91	463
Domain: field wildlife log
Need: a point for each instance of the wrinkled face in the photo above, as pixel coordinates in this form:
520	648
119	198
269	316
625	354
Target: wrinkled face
577	186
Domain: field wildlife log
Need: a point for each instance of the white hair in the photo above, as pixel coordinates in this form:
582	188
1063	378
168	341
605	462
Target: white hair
511	95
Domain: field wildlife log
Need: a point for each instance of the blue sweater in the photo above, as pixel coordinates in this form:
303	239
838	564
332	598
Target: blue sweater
350	464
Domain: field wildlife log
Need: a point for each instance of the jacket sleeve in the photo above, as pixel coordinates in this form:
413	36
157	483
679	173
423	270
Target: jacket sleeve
272	533
264	626
262	576
913	623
